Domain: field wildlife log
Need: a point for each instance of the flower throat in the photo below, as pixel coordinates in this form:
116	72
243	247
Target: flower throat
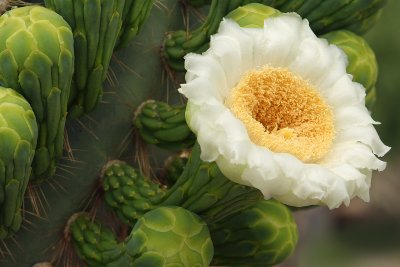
283	113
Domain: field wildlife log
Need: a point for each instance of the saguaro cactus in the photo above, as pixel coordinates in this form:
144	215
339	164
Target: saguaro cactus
36	59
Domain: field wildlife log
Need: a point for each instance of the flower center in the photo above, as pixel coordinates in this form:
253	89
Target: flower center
284	113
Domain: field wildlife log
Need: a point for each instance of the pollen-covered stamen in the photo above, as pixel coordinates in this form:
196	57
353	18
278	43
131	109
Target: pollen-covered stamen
284	113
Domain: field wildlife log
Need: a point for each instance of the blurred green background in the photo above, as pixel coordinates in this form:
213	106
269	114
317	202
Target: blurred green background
365	235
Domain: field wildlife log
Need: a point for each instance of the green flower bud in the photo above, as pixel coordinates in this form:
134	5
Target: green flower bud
174	166
170	236
163	125
94	243
36	59
361	60
201	188
128	193
264	234
18	137
252	15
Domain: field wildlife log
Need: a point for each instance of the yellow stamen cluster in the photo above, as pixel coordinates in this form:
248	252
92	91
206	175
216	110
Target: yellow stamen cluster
284	113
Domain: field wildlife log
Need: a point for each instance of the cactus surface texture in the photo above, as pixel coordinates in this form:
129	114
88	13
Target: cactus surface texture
36	54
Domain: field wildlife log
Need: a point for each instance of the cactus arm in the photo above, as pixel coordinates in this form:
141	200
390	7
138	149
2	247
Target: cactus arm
95	26
134	15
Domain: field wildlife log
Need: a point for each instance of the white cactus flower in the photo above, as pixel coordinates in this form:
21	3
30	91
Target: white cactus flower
275	108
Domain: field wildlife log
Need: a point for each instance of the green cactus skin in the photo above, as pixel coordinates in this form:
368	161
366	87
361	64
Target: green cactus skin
163	125
96	244
362	62
170	236
166	236
96	25
18	137
36	59
201	189
264	234
128	193
174	166
134	15
323	15
198	3
252	15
